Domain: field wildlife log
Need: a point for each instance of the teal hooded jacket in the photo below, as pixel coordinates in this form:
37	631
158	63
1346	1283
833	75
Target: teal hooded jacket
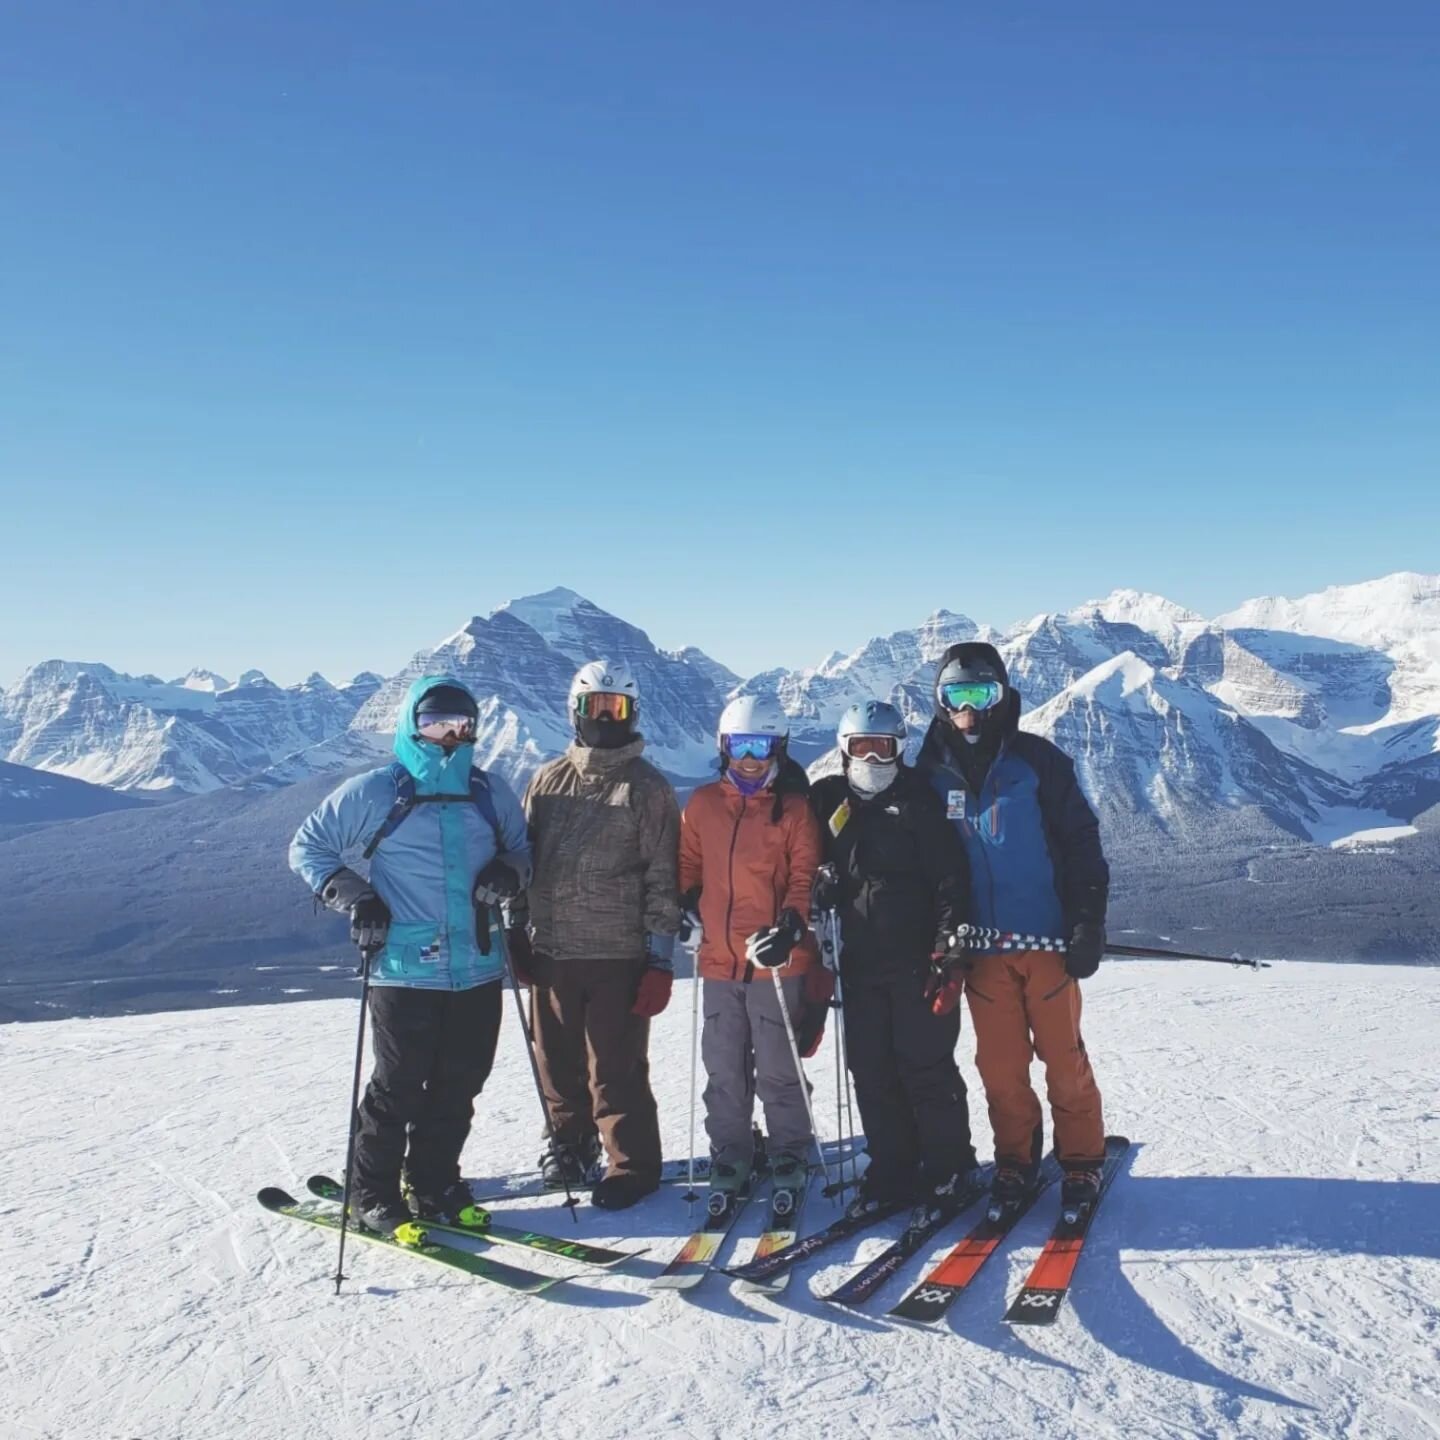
425	870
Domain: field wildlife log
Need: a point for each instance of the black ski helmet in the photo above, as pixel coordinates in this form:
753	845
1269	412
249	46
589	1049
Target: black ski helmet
974	663
446	700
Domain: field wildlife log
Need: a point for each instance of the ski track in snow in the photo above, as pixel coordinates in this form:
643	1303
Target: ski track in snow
1269	1265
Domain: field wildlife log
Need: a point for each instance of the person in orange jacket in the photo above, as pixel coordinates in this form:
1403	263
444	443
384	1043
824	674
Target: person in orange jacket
749	848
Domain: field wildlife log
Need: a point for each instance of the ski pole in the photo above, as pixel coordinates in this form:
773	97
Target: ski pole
799	1070
367	954
828	949
843	1041
483	917
692	1195
1150	952
976	937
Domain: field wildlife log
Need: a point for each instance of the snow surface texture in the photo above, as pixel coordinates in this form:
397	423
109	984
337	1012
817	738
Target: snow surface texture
1269	1265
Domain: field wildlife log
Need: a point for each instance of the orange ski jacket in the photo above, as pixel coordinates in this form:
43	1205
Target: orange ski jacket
749	865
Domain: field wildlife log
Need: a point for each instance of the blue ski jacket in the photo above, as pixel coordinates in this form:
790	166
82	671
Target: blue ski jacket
425	869
1033	842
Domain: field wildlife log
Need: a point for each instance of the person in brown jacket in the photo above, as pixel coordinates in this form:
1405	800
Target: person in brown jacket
603	914
749	847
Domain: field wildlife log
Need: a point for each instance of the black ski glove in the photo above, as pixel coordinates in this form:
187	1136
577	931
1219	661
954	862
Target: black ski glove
1085	950
689	914
496	882
825	893
771	948
349	894
370	922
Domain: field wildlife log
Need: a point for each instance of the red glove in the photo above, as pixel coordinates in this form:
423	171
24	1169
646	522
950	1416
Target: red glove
947	980
522	957
653	994
817	991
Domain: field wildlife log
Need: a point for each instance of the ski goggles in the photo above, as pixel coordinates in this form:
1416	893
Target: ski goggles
445	727
883	748
751	747
600	705
972	694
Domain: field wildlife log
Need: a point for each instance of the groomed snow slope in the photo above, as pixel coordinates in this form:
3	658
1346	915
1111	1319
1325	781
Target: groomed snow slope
1270	1265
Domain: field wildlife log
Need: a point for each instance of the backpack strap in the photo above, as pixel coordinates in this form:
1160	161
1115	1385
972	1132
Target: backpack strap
404	804
406	800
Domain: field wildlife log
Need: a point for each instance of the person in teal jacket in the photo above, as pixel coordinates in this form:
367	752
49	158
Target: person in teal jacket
445	842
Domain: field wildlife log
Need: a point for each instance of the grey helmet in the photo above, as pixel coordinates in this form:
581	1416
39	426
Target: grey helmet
875	773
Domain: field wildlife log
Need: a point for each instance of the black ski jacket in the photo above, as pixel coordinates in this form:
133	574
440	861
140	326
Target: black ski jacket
902	867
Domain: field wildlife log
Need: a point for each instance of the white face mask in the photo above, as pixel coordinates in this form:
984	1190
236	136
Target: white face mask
867	778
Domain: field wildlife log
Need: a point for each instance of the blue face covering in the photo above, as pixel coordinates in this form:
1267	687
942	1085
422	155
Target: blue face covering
751	787
436	771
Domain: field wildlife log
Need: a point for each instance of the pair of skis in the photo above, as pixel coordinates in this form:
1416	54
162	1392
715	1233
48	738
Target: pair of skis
1045	1288
696	1258
419	1239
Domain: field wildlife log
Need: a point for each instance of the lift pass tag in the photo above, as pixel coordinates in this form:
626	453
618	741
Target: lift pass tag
955	805
430	954
840	818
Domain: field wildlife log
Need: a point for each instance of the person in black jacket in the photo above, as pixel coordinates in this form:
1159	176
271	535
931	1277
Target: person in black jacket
1037	869
900	888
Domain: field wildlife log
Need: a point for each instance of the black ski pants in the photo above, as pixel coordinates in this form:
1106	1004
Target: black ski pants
433	1052
911	1095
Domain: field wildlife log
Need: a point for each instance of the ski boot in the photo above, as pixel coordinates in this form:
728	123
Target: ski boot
727	1180
1079	1190
386	1217
620	1192
878	1193
944	1196
454	1205
1012	1186
568	1164
789	1175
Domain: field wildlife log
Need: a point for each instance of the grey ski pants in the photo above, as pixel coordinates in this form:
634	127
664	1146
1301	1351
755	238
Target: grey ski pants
745	1052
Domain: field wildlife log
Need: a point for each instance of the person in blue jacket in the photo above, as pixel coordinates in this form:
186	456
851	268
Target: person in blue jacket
445	844
1037	869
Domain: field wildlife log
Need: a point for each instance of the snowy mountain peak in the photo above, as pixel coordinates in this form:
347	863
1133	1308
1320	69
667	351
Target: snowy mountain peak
206	680
1116	679
1392	609
1139	607
549	612
254	677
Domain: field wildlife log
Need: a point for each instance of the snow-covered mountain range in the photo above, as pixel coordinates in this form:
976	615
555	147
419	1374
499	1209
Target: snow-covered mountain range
1316	718
138	732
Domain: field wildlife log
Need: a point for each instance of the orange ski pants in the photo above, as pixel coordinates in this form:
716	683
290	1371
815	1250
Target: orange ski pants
1024	1004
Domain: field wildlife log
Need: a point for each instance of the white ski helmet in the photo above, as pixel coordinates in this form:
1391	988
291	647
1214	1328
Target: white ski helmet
604	677
871	717
753	715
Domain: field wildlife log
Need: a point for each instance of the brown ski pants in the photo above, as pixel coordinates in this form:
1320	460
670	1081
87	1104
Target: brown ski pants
593	1060
1024	1005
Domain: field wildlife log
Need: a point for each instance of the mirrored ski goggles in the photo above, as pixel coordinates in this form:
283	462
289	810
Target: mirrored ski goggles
872	747
751	747
598	705
444	727
972	694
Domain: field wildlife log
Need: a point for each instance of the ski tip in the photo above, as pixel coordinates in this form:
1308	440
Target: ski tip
272	1197
318	1184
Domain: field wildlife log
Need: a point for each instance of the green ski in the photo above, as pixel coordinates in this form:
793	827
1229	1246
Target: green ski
415	1241
324	1188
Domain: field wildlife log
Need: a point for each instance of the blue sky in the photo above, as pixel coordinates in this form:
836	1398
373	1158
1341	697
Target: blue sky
768	327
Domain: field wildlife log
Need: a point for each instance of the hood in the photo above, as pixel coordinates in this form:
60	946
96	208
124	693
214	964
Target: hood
435	772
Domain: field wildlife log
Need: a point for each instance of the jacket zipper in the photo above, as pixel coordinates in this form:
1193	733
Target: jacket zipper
730	901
